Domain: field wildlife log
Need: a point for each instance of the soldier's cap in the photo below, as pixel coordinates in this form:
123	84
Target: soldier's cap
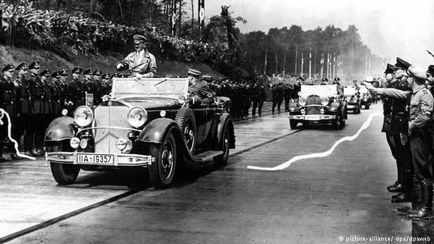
97	72
45	72
401	63
22	66
430	70
106	76
63	72
194	72
390	69
55	74
88	72
34	65
139	38
9	67
417	72
77	70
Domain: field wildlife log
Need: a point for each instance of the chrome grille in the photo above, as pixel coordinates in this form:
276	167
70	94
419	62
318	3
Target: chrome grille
111	124
313	100
313	110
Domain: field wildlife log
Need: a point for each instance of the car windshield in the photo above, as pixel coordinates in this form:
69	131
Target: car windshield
320	90
161	87
349	91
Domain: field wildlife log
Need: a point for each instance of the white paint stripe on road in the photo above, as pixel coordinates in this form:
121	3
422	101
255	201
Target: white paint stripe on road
320	154
2	114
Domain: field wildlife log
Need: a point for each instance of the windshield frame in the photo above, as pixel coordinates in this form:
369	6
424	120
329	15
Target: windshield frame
120	87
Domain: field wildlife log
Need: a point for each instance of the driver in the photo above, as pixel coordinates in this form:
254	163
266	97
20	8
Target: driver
141	63
198	89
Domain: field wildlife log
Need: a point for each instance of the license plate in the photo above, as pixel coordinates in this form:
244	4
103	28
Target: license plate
312	117
105	159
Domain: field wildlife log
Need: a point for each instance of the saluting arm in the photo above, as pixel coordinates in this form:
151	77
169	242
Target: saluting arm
392	92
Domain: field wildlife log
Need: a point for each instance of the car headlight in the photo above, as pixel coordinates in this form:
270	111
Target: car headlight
302	101
137	117
83	116
325	101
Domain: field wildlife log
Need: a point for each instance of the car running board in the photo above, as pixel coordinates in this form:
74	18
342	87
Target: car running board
206	156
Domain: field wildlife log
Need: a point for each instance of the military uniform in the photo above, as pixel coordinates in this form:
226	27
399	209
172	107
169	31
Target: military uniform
24	101
37	110
140	63
277	97
258	97
421	109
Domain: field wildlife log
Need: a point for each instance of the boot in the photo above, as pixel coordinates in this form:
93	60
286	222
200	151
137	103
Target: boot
407	183
425	212
397	186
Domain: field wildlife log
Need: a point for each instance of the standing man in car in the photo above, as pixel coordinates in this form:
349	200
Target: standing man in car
141	63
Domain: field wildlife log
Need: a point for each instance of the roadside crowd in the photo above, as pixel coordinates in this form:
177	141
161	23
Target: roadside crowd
409	128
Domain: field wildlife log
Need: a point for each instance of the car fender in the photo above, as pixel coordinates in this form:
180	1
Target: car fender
156	130
60	129
226	120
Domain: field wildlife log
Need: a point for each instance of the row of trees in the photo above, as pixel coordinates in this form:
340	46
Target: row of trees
330	52
94	25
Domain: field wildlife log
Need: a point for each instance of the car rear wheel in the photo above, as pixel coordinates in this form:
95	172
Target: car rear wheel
293	124
226	139
162	171
64	174
187	124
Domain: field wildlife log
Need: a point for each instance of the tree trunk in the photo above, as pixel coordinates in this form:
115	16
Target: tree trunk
121	12
192	17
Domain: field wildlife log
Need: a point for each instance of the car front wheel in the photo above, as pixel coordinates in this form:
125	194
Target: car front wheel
64	174
162	171
293	124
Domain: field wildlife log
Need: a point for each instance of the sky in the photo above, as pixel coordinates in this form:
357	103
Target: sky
390	28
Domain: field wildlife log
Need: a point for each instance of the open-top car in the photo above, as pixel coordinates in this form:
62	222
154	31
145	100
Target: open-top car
145	123
352	95
365	97
318	104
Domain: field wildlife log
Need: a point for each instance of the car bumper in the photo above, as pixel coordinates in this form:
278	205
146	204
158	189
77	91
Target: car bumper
313	117
128	160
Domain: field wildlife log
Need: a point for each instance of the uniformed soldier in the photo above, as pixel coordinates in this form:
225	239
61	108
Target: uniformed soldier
65	96
47	100
277	94
141	63
7	102
421	108
397	135
98	88
286	95
57	94
106	83
258	97
76	90
198	90
37	108
24	100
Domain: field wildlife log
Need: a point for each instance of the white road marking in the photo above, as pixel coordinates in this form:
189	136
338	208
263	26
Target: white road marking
2	114
320	154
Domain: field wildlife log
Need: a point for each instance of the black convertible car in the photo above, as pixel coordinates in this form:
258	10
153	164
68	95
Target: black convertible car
145	123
